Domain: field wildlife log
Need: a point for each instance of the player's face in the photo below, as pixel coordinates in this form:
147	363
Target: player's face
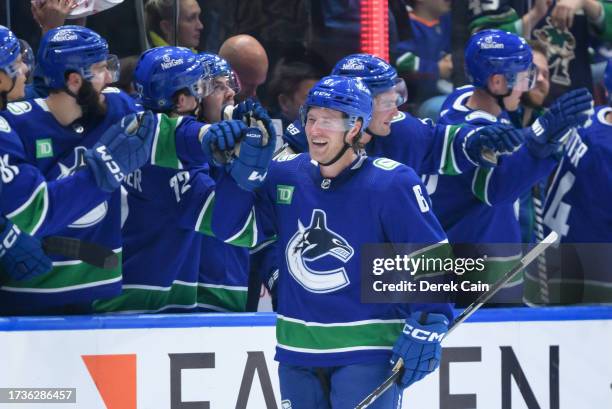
18	90
437	7
325	131
190	25
222	94
101	75
536	96
385	108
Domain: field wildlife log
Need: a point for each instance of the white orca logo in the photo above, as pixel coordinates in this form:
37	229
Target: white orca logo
312	243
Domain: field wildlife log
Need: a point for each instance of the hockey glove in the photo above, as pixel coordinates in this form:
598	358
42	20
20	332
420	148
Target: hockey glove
484	145
419	346
252	114
21	255
249	169
123	148
550	131
220	140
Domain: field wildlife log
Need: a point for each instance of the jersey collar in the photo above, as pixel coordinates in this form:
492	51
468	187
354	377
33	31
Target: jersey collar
334	183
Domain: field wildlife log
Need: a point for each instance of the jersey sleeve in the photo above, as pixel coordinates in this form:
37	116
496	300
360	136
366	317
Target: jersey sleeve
410	61
38	206
239	217
442	149
513	176
176	143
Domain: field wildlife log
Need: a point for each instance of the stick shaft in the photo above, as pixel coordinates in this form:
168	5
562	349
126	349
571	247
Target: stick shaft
471	309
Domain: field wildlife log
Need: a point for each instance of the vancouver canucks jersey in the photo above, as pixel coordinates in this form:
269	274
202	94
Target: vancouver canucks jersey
321	319
575	209
416	143
50	191
480	206
418	56
158	224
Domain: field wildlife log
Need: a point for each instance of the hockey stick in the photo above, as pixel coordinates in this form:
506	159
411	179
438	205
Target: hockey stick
90	253
472	308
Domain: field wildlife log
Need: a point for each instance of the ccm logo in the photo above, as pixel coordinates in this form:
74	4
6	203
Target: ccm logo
110	163
422	334
9	240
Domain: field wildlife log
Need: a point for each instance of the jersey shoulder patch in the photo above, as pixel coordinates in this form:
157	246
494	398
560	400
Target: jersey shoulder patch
19	108
4	126
385	164
399	117
111	90
480	116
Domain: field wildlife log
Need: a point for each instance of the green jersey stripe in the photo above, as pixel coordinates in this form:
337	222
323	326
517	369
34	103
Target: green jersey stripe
31	214
319	338
226	298
150	298
67	277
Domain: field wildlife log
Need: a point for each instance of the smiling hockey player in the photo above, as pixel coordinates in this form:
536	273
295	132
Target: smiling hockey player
478	206
322	207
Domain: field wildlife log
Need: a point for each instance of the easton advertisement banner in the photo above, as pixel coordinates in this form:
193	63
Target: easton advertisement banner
557	358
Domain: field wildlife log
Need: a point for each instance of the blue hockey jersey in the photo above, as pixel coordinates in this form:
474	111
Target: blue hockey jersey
417	57
204	273
321	319
575	208
52	192
480	206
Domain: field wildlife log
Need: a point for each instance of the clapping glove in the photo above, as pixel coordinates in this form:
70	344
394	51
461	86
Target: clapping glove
123	148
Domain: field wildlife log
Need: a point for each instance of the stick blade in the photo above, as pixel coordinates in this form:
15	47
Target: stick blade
90	253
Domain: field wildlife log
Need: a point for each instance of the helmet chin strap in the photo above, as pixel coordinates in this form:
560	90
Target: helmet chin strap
499	98
354	145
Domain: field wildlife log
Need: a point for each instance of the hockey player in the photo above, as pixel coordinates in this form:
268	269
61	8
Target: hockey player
419	144
224	269
582	179
63	160
21	255
321	207
173	82
478	206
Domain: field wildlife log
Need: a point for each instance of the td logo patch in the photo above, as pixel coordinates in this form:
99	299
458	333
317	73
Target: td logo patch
284	194
44	148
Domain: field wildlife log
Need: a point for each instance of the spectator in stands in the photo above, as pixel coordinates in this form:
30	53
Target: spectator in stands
249	60
126	74
159	18
288	88
425	58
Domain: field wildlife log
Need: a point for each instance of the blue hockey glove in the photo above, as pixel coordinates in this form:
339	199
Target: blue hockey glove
220	140
123	148
253	115
419	346
484	145
249	169
550	131
21	255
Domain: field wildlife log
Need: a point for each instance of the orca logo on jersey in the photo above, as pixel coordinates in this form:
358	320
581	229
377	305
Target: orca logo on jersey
98	213
313	243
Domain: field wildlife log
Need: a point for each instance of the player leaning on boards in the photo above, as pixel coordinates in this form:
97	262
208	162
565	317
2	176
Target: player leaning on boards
321	207
174	83
67	155
582	179
21	255
478	206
